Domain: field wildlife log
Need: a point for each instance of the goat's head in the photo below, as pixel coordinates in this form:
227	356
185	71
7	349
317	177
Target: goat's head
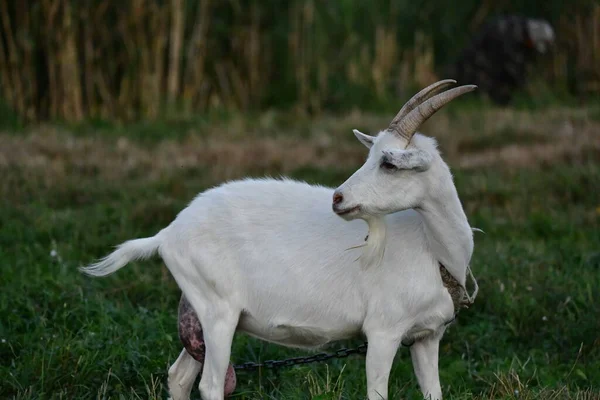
396	173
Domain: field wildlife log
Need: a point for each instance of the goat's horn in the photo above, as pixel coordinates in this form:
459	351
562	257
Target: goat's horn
413	120
419	98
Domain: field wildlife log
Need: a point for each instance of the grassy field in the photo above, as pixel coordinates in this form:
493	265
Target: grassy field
530	180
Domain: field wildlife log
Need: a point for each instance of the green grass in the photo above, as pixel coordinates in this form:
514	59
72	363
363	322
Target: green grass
533	330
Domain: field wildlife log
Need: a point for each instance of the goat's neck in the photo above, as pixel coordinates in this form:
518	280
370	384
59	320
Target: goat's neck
448	232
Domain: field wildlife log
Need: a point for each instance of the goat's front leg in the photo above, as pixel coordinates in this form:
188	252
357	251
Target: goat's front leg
424	354
380	357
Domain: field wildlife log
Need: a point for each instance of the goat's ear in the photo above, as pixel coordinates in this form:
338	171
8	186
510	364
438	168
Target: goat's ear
413	159
364	139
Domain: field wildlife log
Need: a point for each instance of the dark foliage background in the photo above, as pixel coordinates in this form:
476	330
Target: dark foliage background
109	59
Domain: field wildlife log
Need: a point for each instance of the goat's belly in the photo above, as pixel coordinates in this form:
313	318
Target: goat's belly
291	335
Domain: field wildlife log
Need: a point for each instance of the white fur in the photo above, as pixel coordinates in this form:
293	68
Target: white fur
270	258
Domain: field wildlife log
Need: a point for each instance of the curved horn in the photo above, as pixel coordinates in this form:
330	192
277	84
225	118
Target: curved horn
419	98
415	118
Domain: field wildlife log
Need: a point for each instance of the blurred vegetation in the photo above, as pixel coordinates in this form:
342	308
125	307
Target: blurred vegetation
109	59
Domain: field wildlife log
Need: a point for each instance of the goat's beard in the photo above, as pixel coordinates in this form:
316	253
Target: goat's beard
374	249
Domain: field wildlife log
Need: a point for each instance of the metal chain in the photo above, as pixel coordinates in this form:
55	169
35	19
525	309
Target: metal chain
289	362
320	357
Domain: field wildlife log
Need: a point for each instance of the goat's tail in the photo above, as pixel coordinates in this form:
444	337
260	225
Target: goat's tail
131	250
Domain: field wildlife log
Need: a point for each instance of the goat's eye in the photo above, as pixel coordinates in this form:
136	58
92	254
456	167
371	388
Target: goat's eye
387	165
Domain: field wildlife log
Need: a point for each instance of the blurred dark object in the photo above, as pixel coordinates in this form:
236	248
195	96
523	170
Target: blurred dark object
496	58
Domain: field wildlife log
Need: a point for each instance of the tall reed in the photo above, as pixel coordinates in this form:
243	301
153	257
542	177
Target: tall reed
71	60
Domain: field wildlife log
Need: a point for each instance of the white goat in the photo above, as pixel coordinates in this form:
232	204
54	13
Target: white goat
269	258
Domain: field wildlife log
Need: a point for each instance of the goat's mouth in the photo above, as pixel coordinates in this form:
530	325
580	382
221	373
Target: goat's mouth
346	211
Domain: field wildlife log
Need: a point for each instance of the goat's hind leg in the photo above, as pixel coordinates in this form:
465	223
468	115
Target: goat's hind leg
182	375
192	337
218	321
218	337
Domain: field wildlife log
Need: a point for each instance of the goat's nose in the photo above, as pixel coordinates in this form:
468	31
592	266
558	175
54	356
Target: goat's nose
337	198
